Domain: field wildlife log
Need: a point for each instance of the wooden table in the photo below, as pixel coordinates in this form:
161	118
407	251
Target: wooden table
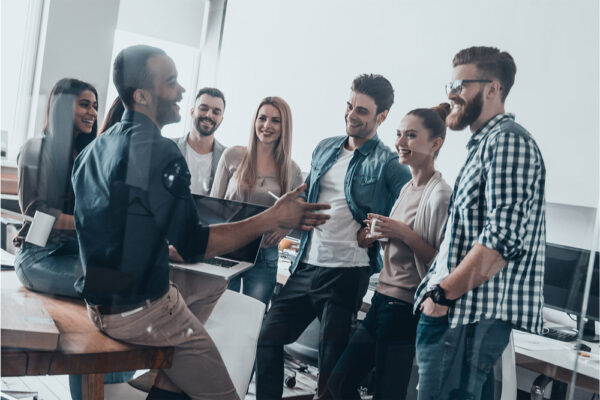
82	349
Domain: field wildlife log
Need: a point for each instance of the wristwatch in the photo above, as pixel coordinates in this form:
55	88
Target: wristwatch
438	296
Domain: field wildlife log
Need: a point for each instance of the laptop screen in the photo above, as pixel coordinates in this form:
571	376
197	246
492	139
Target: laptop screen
216	211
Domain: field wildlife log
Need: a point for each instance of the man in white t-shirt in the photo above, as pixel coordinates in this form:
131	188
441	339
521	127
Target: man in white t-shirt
199	147
356	174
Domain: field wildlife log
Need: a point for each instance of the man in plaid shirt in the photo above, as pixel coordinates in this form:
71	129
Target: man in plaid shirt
488	275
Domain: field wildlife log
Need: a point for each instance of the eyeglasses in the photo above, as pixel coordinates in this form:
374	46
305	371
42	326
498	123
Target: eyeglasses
457	86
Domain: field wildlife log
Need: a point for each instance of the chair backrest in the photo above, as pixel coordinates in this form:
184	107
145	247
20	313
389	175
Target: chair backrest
509	372
234	326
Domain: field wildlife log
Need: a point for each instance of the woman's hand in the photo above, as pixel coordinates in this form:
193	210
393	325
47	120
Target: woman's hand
391	228
363	239
273	238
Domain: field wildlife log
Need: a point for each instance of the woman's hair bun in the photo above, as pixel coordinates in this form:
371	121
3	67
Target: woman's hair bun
443	109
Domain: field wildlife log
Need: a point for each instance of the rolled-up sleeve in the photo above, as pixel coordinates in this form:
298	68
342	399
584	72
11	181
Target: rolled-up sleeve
513	178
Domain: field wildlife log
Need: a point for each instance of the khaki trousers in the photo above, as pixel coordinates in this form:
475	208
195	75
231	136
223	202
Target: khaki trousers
177	319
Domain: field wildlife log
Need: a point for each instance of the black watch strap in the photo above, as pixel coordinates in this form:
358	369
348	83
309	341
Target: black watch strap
438	296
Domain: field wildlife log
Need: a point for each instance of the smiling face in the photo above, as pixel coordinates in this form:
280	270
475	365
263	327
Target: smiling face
85	112
413	143
361	116
166	91
268	124
468	104
207	114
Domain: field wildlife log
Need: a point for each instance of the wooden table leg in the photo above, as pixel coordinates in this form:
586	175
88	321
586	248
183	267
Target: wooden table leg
92	387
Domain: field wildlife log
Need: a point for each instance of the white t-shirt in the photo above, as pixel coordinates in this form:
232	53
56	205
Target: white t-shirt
200	166
335	244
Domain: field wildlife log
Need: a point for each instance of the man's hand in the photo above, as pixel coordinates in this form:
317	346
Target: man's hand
273	238
293	212
431	309
363	239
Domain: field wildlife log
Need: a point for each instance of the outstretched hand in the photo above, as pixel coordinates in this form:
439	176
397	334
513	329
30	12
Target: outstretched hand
293	212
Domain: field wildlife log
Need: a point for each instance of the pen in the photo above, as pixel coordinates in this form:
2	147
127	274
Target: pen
273	195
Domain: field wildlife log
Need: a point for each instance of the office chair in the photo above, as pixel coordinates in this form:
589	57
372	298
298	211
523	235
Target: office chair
234	326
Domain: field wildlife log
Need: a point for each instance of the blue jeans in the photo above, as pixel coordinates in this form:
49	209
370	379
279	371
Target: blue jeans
259	281
386	340
51	270
455	363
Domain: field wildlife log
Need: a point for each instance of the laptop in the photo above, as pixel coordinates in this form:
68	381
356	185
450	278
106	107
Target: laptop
216	211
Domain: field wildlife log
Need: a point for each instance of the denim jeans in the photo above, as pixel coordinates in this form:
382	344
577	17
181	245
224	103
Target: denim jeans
386	340
259	281
455	363
52	269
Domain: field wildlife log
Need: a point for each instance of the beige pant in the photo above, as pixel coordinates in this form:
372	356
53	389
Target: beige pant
177	319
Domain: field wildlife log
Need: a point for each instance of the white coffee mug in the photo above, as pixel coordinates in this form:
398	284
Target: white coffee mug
40	229
374	233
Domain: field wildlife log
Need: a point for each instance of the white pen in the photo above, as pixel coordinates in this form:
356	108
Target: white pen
273	195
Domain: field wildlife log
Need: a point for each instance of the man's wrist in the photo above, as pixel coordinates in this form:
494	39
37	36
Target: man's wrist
438	296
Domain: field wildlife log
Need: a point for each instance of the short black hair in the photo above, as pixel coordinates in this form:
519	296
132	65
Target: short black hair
214	92
492	63
376	87
130	70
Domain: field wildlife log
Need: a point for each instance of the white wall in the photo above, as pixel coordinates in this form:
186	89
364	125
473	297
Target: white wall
77	43
309	51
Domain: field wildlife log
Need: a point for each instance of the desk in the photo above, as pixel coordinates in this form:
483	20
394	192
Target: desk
556	359
82	349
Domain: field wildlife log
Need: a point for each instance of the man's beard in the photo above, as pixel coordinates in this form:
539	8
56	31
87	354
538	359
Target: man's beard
165	114
203	132
458	121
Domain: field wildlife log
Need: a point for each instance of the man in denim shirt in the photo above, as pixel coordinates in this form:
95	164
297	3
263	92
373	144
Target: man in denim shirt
356	174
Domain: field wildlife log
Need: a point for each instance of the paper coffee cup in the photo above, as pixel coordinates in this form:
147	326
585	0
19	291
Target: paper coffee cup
375	233
40	229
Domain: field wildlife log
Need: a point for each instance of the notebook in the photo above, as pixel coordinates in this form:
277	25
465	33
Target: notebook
216	211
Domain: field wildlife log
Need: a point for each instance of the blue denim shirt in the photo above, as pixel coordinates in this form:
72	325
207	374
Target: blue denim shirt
373	182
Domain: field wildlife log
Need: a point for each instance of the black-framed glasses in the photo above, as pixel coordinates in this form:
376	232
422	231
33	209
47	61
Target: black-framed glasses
457	86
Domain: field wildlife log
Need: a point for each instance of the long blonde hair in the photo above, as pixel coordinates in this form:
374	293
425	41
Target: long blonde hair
247	172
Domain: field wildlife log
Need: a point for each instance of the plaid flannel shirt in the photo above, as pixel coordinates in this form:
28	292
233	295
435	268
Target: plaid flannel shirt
498	201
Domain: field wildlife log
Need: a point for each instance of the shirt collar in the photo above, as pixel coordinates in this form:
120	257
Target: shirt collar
365	148
139	118
486	128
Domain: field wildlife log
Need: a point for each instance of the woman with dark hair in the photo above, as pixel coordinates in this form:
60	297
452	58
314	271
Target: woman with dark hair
249	173
44	184
411	236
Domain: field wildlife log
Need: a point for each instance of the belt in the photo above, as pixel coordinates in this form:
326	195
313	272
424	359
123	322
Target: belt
116	309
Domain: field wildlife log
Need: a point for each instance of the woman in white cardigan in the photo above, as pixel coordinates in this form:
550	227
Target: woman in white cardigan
386	338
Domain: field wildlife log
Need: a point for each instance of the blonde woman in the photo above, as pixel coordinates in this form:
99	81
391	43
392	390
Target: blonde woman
249	173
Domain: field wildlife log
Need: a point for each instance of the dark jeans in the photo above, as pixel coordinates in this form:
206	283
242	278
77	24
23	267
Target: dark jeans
386	340
52	269
333	295
455	363
259	281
